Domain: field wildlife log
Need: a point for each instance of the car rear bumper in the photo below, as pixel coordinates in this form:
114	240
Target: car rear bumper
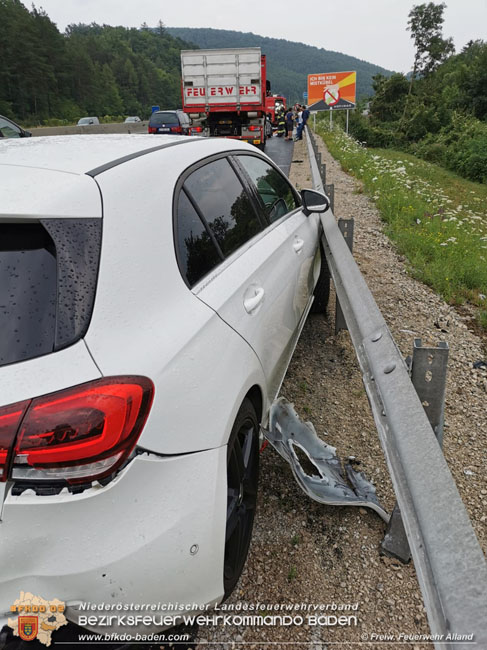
154	536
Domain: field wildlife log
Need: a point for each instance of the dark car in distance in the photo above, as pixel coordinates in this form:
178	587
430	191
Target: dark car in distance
170	122
9	129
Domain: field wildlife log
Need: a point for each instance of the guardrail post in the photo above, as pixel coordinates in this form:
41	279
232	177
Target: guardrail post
330	192
322	169
346	228
428	368
395	542
428	375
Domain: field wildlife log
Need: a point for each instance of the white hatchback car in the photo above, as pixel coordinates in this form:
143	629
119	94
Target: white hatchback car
151	297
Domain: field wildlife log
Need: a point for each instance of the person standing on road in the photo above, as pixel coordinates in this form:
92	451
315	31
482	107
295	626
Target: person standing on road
305	117
281	123
289	124
299	128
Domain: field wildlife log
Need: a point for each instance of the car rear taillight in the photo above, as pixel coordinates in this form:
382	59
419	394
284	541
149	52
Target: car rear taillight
152	129
176	129
10	419
77	435
254	128
196	129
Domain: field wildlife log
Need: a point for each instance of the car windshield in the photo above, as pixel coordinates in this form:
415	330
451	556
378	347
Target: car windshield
85	120
163	118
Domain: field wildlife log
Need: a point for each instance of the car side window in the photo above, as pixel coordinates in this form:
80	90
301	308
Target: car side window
8	130
197	251
224	204
276	193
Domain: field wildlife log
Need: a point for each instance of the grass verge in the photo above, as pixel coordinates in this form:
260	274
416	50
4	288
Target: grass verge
437	220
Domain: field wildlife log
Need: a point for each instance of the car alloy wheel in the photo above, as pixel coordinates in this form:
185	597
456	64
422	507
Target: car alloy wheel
242	479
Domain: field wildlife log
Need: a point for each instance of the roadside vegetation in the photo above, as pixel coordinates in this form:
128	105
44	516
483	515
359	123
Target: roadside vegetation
439	112
419	146
437	219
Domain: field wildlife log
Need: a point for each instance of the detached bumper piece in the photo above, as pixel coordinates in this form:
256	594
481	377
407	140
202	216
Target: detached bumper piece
322	477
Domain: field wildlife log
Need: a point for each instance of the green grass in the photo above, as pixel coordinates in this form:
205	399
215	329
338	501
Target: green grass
293	572
437	220
295	540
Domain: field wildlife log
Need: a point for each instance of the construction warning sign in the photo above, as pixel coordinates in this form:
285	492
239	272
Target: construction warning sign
331	90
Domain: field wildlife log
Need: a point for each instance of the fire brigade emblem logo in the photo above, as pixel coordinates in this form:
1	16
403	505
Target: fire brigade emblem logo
34	617
28	627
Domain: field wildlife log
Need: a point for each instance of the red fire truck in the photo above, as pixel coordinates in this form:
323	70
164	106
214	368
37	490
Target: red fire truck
224	92
272	104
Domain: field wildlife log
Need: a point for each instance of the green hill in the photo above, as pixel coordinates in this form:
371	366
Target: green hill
48	77
288	63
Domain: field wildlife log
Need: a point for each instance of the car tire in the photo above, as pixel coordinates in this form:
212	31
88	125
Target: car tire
322	288
242	480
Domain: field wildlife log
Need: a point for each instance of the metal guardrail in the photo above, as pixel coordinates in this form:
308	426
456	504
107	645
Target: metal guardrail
449	562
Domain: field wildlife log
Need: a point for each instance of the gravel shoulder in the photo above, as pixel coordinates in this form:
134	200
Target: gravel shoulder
306	553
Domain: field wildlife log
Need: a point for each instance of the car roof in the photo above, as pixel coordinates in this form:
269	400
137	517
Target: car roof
8	120
50	176
82	154
168	110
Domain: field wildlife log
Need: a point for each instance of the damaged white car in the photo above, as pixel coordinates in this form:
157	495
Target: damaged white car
151	295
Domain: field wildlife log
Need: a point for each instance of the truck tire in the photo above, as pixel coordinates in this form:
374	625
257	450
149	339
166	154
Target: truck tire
322	288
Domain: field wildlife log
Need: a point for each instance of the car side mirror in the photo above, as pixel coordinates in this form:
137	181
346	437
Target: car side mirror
314	201
26	134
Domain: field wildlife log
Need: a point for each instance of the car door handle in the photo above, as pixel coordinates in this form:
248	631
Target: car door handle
298	245
252	303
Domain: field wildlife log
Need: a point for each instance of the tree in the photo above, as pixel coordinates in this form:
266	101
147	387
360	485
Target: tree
161	28
425	24
390	94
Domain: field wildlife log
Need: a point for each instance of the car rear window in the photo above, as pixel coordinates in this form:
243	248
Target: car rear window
48	273
163	118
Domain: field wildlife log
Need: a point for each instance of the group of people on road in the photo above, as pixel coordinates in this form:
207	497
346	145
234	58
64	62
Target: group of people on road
291	119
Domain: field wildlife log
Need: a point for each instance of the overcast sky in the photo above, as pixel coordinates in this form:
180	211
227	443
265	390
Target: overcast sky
373	30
